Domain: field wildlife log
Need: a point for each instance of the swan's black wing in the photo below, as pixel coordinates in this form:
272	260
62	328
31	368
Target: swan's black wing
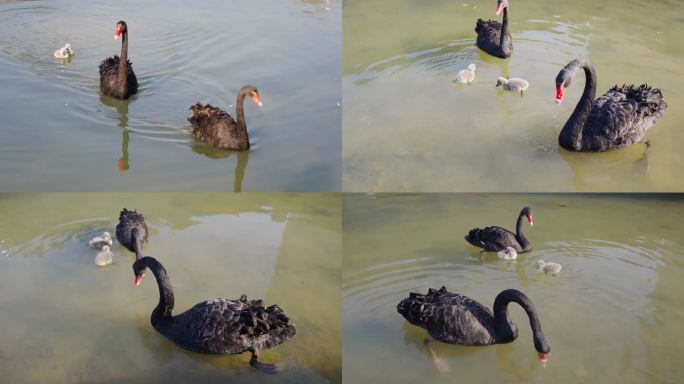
213	125
622	116
493	239
489	38
109	70
223	326
128	220
449	317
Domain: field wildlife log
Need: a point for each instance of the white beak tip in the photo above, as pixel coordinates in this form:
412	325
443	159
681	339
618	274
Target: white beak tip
260	104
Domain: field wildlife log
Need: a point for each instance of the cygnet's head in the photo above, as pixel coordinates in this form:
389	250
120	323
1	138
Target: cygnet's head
501	81
540	265
471	67
106	236
105	248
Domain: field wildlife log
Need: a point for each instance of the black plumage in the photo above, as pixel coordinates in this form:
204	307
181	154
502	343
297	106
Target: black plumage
496	239
493	37
218	326
131	231
457	319
217	128
617	119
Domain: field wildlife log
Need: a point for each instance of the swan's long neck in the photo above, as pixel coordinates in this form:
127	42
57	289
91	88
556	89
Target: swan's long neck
135	235
241	124
571	135
166	297
123	60
504	27
520	236
503	322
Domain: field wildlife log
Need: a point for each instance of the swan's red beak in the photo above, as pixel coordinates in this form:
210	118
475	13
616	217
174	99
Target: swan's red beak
119	29
257	100
560	93
137	279
499	7
543	357
530	219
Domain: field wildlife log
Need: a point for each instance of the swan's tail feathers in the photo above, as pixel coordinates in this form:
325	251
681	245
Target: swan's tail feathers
474	238
417	308
258	320
649	100
201	113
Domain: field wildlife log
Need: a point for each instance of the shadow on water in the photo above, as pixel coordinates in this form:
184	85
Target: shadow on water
214	153
121	106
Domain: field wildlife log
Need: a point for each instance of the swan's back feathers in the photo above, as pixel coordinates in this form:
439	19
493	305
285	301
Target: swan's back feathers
223	326
215	126
493	238
489	38
128	220
449	317
622	116
109	70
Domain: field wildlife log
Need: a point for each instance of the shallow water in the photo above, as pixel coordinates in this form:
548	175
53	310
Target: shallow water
406	127
67	320
613	314
59	134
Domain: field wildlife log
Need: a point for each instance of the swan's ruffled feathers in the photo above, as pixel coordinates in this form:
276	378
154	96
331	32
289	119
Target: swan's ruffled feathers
448	317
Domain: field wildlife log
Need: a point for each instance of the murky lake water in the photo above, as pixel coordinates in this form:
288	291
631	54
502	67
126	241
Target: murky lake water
65	320
406	127
59	134
613	314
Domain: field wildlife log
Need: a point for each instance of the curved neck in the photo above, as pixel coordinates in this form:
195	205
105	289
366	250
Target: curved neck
135	236
503	322
571	135
504	27
519	233
123	60
240	111
166	297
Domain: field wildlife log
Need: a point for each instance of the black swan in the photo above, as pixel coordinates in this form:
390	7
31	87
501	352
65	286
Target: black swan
116	73
132	231
497	239
617	119
493	37
216	127
218	326
456	319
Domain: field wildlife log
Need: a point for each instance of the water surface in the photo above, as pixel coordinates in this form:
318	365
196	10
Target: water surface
60	134
407	127
65	320
613	314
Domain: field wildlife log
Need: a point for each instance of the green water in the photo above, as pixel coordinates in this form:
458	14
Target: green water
406	127
59	134
65	320
613	314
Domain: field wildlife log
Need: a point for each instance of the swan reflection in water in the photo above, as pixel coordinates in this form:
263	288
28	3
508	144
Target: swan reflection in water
122	163
213	153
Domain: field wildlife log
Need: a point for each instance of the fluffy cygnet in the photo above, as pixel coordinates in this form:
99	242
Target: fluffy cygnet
466	76
105	256
508	254
552	268
514	84
100	241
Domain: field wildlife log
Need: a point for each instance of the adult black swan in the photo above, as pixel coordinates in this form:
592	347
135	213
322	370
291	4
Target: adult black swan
132	231
116	73
493	37
617	119
497	239
216	127
218	326
456	319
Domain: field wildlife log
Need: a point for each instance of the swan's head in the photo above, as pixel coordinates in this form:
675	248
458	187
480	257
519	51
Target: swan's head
527	212
564	78
541	345
472	67
253	93
139	270
500	5
501	81
121	27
